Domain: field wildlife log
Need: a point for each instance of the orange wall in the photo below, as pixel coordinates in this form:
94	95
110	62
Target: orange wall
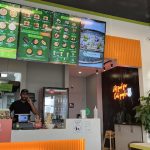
127	52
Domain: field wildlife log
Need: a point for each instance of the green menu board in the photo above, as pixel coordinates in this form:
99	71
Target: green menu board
9	21
35	34
65	39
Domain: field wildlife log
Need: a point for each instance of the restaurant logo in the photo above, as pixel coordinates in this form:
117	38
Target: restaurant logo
121	91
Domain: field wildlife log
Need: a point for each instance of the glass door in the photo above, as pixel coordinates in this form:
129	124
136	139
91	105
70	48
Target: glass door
56	102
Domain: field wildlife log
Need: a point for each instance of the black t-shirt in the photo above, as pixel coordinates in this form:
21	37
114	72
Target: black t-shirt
20	107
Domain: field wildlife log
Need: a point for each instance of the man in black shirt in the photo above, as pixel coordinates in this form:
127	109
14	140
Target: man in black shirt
22	106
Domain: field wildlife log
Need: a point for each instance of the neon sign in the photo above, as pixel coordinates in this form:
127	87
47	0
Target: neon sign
121	91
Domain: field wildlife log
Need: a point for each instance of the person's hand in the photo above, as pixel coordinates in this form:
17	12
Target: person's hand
29	100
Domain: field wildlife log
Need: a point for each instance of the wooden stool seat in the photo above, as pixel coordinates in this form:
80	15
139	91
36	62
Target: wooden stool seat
110	135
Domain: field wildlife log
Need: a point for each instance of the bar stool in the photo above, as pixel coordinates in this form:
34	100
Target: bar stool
110	135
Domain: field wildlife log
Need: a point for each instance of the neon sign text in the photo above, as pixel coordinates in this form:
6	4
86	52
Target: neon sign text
121	91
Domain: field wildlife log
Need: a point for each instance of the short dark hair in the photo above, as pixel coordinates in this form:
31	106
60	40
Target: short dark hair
24	91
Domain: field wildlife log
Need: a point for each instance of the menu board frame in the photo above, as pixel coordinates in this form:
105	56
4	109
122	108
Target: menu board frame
65	39
35	36
9	29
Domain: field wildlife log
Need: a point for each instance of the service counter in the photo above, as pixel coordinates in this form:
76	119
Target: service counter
89	129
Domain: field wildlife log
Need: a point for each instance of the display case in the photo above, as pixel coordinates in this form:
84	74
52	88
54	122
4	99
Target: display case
55	102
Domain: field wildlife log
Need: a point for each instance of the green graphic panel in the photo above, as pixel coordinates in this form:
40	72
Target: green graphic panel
35	34
9	22
6	87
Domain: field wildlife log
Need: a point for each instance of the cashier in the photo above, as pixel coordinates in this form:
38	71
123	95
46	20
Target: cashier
23	106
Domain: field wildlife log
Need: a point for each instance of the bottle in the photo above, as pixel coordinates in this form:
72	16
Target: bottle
95	112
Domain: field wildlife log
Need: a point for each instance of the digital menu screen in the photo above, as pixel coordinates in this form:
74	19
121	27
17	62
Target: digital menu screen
65	39
9	22
35	34
92	40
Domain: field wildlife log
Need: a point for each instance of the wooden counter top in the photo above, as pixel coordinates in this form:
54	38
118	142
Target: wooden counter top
140	146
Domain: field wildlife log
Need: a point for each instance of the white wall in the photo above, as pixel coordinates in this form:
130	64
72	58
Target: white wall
91	86
77	95
94	96
44	75
15	66
35	75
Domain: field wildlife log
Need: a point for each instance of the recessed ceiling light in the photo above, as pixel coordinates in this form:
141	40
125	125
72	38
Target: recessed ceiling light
111	65
97	72
104	69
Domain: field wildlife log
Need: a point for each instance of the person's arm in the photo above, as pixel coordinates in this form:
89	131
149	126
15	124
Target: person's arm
34	110
11	108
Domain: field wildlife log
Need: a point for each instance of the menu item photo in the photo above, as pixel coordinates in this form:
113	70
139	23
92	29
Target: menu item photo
9	21
35	41
26	23
29	51
36	16
10	39
12	26
2	38
39	52
2	25
3	12
92	40
56	44
43	42
13	13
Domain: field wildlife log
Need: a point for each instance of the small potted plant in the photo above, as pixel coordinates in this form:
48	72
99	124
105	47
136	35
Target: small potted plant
143	115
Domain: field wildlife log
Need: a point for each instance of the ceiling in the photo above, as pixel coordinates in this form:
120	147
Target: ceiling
138	10
86	71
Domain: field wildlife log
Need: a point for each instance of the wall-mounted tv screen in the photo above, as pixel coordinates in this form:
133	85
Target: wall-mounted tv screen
9	22
35	34
92	40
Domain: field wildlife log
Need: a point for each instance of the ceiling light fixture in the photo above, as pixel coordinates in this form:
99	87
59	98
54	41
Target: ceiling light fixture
79	72
4	75
104	69
97	71
111	65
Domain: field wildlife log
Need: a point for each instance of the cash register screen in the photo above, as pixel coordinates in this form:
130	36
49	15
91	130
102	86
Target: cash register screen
23	117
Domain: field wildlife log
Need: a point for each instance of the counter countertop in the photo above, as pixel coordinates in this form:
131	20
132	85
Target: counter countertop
141	146
131	124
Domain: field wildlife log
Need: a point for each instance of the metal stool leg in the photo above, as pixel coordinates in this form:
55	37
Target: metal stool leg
110	146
